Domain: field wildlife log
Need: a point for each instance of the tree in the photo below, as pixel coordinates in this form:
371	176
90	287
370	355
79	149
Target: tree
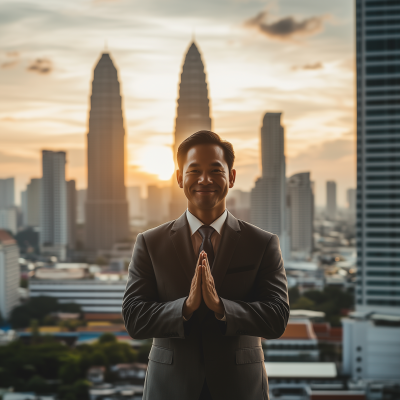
294	294
303	303
107	338
70	370
38	385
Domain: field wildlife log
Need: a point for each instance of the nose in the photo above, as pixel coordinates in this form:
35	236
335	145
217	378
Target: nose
205	179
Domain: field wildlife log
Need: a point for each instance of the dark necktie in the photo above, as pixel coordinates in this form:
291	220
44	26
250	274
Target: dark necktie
206	245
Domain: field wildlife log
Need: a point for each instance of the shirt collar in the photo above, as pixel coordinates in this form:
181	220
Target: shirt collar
195	223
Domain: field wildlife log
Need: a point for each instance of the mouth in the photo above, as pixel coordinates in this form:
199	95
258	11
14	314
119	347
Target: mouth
205	191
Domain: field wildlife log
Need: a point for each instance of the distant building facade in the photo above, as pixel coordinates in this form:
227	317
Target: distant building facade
71	213
300	197
80	205
238	202
193	114
53	215
107	220
9	219
268	197
7	195
371	337
94	296
378	155
33	201
331	206
135	202
9	274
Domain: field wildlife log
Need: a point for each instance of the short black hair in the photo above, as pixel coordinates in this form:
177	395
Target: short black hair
205	137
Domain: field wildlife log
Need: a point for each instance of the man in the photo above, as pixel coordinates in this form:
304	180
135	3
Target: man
206	318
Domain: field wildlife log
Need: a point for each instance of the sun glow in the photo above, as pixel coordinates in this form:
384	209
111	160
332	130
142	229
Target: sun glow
156	160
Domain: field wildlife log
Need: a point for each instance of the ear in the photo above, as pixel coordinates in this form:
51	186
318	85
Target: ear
232	178
179	178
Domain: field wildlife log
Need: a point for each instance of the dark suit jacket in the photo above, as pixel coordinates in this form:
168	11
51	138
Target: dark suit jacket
251	281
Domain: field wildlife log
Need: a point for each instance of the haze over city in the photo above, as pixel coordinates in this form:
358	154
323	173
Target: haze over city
292	57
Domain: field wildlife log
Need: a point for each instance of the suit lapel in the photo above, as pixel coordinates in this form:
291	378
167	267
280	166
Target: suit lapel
227	246
180	236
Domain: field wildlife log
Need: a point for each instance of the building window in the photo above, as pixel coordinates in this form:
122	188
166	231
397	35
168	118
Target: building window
359	359
359	348
359	369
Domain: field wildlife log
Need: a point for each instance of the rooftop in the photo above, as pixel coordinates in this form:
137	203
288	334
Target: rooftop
301	330
301	369
6	238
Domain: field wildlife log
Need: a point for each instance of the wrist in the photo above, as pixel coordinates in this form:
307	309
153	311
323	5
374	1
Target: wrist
187	310
219	309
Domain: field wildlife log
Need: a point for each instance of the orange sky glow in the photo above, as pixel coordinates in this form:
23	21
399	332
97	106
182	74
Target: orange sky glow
288	56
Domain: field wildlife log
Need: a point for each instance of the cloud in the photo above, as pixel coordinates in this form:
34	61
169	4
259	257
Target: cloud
316	65
12	54
41	66
285	28
9	64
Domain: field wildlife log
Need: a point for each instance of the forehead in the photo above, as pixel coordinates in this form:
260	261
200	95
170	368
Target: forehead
205	154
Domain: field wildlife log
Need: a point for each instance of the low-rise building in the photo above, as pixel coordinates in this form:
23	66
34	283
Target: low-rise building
94	296
371	347
9	274
298	343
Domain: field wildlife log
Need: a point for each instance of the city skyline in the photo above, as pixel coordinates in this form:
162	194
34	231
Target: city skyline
267	72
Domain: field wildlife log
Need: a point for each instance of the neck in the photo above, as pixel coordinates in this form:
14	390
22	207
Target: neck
207	217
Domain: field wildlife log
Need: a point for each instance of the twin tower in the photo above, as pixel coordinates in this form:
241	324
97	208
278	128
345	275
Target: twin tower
107	216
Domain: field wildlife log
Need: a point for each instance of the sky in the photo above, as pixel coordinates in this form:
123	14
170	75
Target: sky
289	56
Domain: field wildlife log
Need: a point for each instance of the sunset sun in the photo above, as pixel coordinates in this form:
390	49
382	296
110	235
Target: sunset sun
156	160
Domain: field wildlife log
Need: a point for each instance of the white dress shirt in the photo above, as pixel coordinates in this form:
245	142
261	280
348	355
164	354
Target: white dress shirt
195	224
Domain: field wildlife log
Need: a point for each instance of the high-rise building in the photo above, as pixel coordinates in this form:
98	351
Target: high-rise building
238	203
154	204
24	207
331	207
268	197
71	213
53	214
135	202
107	220
80	206
33	201
9	219
9	274
301	212
378	155
7	196
351	195
193	114
371	339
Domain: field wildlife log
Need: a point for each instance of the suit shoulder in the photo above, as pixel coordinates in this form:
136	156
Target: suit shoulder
158	231
252	230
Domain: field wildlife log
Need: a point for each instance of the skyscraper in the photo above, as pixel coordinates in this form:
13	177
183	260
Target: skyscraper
371	339
7	196
331	207
193	114
268	197
301	212
71	213
378	155
53	215
107	220
33	201
9	274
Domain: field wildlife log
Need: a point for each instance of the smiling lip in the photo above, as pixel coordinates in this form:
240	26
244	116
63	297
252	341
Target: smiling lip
205	191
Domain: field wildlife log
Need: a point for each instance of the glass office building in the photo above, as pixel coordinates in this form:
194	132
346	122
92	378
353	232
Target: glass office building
378	155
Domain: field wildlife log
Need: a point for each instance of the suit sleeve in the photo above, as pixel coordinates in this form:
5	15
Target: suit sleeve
267	312
144	316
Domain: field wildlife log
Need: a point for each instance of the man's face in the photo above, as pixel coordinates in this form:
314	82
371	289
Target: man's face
205	178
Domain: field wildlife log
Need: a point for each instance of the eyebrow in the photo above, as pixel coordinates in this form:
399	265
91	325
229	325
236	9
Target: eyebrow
214	164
